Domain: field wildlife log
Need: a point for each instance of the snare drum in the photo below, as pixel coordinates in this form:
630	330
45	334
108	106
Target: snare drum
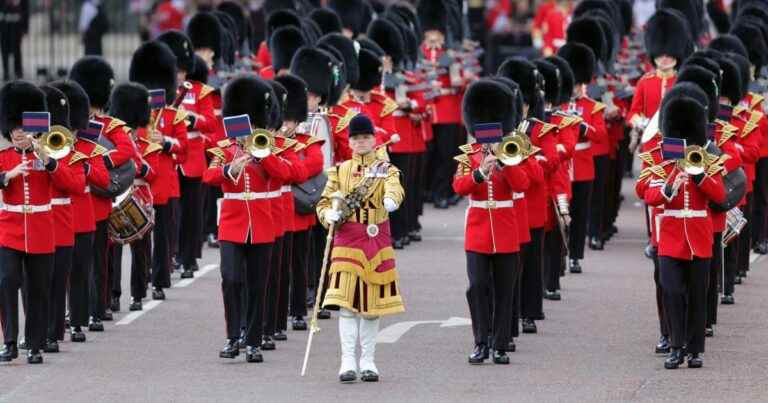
131	218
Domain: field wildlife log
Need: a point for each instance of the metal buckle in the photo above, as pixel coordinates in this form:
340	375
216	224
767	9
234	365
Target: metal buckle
372	230
27	208
491	203
248	196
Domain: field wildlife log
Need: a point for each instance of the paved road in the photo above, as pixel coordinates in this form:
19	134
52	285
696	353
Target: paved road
596	344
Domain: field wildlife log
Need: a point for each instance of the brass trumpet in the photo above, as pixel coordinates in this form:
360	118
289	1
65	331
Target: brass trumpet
513	149
695	161
58	142
259	143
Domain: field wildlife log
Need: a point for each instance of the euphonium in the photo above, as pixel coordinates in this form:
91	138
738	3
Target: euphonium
259	143
513	149
58	142
695	160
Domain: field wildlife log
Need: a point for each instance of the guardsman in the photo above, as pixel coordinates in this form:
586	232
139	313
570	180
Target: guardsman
27	245
246	228
283	43
61	205
154	65
363	279
492	254
96	77
130	103
684	187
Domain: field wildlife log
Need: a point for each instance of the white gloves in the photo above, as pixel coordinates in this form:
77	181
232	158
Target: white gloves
332	216
390	204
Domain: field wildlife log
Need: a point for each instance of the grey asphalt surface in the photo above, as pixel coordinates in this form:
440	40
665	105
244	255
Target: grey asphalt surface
595	345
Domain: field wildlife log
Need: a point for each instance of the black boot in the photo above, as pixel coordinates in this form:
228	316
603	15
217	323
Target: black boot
441	204
709	331
414	236
324	314
135	305
268	344
500	357
298	323
511	347
229	350
479	354
663	346
369	376
158	294
348	377
95	325
9	352
727	299
107	316
51	346
695	360
115	305
76	335
674	359
575	266
595	243
397	244
529	326
253	354
280	335
34	357
212	241
187	273
23	345
552	295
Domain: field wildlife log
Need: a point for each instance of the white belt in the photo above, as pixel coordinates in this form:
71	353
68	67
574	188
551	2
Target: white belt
140	182
27	208
517	196
286	189
399	113
541	158
583	146
61	201
252	195
488	204
193	135
87	189
684	213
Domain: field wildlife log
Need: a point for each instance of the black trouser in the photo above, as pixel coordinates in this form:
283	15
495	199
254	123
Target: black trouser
317	237
141	259
244	266
35	270
191	224
731	265
660	311
173	232
161	257
428	166
92	44
299	273
416	201
715	272
271	296
582	192
598	200
99	275
210	208
503	280
760	208
283	282
10	45
115	270
516	300
446	139
79	279
399	218
553	259
531	277
57	308
685	300
745	237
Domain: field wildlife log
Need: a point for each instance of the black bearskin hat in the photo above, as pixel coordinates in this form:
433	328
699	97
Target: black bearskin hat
79	104
316	67
552	80
338	65
374	47
705	80
729	43
229	37
281	18
744	70
517	99
566	78
154	65
689	10
525	74
388	36
58	106
130	103
683	117
283	44
753	40
370	71
17	97
200	72
408	13
327	20
581	59
205	31
433	15
487	101
237	13
181	47
589	32
354	14
96	77
731	86
278	107
252	96
667	33
295	107
311	30
348	51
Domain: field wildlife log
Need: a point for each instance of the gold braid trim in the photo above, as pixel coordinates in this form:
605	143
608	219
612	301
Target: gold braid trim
114	124
366	267
77	156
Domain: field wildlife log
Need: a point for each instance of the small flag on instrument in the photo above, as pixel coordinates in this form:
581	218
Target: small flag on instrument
237	126
157	98
672	148
93	131
36	122
487	133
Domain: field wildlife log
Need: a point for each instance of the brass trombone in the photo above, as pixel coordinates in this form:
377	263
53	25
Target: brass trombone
259	143
513	149
58	142
695	161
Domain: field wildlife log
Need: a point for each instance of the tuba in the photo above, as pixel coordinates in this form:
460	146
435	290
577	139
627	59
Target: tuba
259	143
58	142
695	161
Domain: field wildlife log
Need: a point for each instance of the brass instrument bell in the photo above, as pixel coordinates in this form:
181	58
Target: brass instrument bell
695	159
58	142
259	143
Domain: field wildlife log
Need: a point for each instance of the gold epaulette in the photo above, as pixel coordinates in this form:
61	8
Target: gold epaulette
312	140
546	128
757	99
467	149
98	149
728	130
568	121
114	124
207	89
752	123
389	106
151	148
344	121
599	106
217	152
718	165
658	169
647	157
645	173
224	143
287	143
181	114
463	159
77	156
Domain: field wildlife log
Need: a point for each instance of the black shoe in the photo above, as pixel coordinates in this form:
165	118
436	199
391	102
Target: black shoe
9	352
267	344
158	294
454	200
369	376
552	295
511	347
695	360
529	326
479	354
23	345
595	243
500	357
187	274
298	323
348	377
115	305
193	267
397	244
95	325
727	299
253	354
212	241
135	305
310	297
414	236
230	350
648	251
761	248
34	357
280	335
674	359
107	316
324	314
663	345
575	266
51	346
742	274
405	240
241	340
441	204
737	280
77	335
175	264
709	331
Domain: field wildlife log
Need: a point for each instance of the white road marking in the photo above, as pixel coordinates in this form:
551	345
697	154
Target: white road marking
200	273
392	334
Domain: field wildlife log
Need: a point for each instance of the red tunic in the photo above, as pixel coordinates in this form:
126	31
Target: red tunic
591	112
339	117
649	91
446	108
310	153
199	100
116	132
171	125
61	198
749	139
96	175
